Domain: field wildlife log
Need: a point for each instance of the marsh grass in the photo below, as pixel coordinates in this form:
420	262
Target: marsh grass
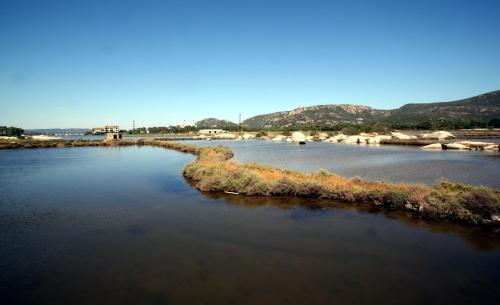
215	172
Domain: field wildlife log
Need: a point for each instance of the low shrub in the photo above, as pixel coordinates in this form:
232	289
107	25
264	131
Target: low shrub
283	187
481	201
323	173
351	131
311	189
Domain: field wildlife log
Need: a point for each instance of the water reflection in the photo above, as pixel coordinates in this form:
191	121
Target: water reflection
122	226
480	238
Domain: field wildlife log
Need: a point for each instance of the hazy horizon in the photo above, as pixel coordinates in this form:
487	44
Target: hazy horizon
86	64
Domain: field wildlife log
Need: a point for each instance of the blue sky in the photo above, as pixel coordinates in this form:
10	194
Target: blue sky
88	63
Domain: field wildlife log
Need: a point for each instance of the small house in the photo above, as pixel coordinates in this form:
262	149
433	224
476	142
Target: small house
113	136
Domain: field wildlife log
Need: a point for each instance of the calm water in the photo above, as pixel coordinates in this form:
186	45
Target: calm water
384	162
84	137
121	226
95	137
126	137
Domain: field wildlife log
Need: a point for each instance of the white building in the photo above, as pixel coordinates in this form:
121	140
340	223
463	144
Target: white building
212	131
106	129
112	128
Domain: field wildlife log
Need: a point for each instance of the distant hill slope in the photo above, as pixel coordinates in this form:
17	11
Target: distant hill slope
480	108
483	107
216	123
314	115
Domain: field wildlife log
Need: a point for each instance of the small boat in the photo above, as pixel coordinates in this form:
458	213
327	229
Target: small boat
302	142
233	193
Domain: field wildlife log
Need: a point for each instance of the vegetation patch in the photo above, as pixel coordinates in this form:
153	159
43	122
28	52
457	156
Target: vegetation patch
214	171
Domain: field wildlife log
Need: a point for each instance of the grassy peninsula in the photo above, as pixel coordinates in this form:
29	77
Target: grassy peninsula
213	170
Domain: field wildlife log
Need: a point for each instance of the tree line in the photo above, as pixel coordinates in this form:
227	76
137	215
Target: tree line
347	128
11	131
383	126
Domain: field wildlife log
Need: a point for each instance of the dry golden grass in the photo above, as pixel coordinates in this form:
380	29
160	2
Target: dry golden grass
214	172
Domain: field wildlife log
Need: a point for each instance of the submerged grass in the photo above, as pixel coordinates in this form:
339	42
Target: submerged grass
214	171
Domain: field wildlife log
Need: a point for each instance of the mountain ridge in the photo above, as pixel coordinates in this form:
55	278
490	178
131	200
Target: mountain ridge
482	107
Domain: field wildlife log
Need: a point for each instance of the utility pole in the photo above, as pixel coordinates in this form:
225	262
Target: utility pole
133	126
239	122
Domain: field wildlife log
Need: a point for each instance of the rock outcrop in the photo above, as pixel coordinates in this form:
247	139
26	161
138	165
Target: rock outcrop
475	144
298	137
439	135
248	136
456	146
402	136
492	147
337	138
433	146
378	139
279	138
322	136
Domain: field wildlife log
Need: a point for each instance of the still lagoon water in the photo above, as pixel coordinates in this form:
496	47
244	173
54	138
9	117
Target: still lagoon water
382	162
120	225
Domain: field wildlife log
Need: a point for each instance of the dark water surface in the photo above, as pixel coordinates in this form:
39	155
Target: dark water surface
383	162
120	225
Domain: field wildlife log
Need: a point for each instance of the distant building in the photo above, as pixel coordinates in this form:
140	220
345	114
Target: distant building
212	131
97	130
106	129
3	130
112	128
